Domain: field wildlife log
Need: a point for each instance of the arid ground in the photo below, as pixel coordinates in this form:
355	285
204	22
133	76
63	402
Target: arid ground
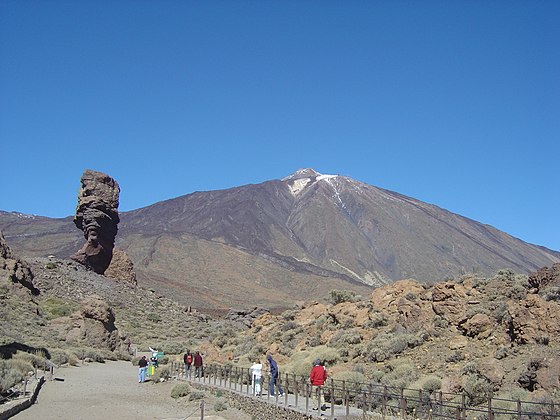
111	391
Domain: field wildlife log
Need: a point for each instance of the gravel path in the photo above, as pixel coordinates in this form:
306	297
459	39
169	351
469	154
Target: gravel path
111	391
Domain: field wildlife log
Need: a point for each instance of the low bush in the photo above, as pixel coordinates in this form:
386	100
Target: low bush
9	375
477	389
340	296
196	395
180	390
54	307
220	406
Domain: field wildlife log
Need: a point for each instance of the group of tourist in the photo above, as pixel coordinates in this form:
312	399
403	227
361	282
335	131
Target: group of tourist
317	377
190	360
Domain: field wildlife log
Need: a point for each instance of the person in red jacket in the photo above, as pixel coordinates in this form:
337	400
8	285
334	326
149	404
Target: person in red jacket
317	376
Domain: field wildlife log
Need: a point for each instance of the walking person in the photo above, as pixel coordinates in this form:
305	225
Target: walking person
256	376
317	376
197	361
188	360
274	374
142	364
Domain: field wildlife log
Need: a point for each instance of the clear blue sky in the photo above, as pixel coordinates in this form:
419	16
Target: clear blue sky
456	103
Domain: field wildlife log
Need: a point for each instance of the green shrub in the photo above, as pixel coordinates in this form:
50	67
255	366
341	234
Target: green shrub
180	390
162	373
54	307
220	406
196	395
340	296
59	357
431	383
477	389
402	373
36	359
9	375
552	294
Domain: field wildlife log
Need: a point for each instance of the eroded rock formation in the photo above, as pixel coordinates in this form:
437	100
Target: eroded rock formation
97	216
121	267
13	269
93	325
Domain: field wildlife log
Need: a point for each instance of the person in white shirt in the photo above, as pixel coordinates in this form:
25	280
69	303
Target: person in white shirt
256	375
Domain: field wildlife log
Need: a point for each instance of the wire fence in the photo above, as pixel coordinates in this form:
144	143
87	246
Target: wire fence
373	398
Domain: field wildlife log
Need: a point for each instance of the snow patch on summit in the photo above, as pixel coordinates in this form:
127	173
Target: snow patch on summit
297	184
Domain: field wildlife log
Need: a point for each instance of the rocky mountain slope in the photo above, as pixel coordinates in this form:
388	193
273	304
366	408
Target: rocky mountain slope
477	335
289	240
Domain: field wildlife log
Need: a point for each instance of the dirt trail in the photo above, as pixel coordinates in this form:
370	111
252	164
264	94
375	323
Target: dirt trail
111	391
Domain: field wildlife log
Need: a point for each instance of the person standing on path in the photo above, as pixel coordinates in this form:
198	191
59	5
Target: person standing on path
256	376
188	360
274	374
142	364
317	376
197	365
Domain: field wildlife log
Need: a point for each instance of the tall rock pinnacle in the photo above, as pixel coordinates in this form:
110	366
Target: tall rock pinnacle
97	216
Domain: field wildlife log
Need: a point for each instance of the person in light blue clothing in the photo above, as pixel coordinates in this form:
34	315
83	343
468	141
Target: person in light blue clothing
142	365
273	377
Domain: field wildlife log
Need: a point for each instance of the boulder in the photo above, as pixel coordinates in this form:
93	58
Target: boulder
93	326
97	216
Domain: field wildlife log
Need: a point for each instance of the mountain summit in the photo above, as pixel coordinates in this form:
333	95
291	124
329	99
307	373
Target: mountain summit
291	239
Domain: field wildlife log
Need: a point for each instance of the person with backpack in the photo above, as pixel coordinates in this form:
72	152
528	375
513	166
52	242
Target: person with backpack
188	360
274	374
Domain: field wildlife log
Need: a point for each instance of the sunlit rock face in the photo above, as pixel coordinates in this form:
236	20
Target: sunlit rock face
97	216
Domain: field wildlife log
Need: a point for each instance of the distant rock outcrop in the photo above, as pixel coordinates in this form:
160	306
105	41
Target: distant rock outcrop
545	277
97	216
121	267
246	317
14	269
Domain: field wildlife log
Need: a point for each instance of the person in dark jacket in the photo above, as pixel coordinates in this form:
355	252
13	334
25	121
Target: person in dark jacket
273	377
197	365
142	364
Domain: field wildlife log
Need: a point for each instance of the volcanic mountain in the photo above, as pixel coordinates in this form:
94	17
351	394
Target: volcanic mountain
283	241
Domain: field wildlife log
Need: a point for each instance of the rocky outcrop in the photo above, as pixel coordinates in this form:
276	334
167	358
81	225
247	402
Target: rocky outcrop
545	277
93	325
121	267
534	320
14	270
97	216
246	317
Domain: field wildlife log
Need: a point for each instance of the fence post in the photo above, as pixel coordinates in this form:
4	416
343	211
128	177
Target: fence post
286	389
403	404
384	409
307	398
370	397
490	412
295	389
332	395
463	407
202	410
